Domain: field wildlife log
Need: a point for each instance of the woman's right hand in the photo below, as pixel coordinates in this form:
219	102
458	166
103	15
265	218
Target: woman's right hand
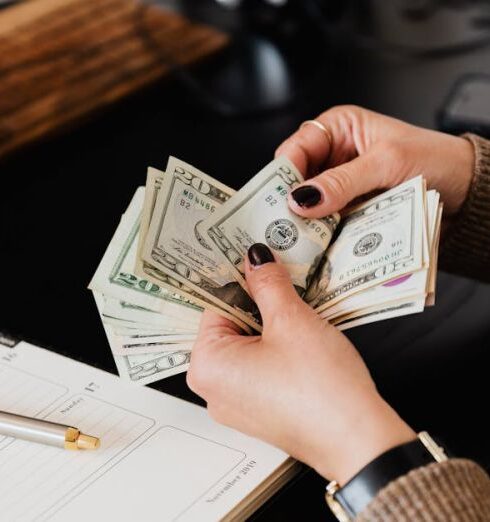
363	151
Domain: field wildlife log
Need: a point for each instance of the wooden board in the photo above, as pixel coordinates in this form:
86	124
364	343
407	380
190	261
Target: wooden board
63	59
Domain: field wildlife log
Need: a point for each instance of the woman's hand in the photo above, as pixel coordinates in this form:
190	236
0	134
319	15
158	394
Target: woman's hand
301	386
363	151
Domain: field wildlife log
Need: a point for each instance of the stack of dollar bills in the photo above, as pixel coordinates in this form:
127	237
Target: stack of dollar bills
181	244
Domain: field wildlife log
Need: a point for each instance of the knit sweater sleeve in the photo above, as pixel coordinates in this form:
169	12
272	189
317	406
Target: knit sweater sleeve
450	491
466	247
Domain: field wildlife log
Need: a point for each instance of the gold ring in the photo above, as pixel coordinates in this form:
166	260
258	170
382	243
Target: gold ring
320	126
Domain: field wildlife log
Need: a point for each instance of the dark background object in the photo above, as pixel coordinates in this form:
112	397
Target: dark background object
467	108
62	200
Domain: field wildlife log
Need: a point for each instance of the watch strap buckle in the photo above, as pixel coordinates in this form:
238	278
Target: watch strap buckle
335	506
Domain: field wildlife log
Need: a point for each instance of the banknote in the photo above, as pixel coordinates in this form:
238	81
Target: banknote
140	339
154	179
181	244
123	325
431	290
259	213
147	368
123	346
158	337
401	296
409	286
143	368
155	275
126	328
115	275
175	246
114	308
153	184
389	311
378	241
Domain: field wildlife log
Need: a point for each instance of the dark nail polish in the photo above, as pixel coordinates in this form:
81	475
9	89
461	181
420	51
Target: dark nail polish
306	196
259	254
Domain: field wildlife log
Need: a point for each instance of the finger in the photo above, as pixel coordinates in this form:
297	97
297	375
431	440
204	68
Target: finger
217	354
214	324
308	148
206	359
311	148
269	284
333	189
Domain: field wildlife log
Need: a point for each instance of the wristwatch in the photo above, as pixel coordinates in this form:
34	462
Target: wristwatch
348	501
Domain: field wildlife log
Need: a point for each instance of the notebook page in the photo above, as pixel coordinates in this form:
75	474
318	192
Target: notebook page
160	458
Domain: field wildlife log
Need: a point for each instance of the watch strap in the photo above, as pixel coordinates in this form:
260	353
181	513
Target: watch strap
353	497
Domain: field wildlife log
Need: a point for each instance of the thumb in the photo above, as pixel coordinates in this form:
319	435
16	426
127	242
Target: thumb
269	283
334	188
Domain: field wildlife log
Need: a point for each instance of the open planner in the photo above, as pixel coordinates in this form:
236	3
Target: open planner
160	459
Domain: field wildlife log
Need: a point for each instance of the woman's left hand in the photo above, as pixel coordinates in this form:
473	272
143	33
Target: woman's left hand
300	386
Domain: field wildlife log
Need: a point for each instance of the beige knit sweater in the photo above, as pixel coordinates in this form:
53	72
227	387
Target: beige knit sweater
456	490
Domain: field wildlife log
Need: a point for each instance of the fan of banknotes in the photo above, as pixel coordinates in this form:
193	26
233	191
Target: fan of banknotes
181	244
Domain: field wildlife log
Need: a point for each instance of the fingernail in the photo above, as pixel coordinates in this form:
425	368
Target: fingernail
259	254
306	196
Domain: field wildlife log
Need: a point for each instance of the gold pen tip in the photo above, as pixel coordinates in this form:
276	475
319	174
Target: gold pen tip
87	442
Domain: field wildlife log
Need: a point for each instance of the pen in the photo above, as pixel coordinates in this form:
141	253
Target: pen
44	432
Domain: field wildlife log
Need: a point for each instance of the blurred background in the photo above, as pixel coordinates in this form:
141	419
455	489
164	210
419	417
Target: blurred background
94	91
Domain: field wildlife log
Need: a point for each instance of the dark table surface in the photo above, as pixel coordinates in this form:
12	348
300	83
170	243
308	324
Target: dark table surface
61	201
